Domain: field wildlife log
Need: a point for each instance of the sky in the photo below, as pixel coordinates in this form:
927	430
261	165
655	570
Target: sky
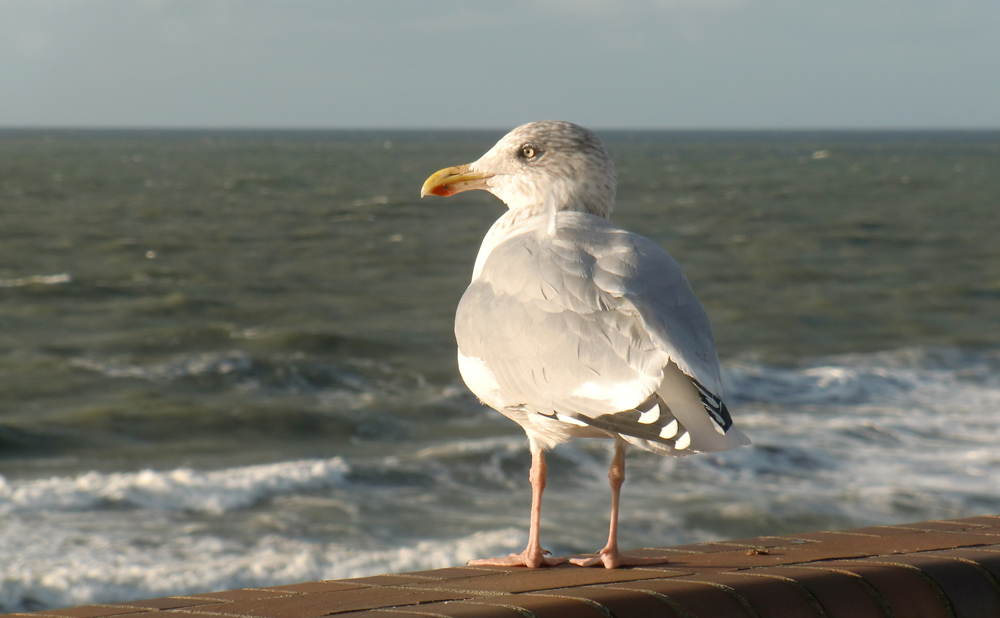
654	64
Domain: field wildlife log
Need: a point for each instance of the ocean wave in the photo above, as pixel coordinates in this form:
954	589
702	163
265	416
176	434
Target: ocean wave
858	379
839	442
234	368
856	439
50	567
181	489
351	382
36	280
464	448
184	366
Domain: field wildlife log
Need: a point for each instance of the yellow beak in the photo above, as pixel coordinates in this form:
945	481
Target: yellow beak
452	180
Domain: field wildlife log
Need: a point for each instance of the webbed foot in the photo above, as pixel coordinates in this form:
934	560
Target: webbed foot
532	559
612	559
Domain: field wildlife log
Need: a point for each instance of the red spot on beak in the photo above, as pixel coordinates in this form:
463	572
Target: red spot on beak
443	190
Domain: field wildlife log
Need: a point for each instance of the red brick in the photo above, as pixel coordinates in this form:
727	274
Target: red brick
391	579
661	572
622	603
985	548
939	526
167	603
836	547
174	614
982	520
543	606
702	548
453	573
938	540
242	594
770	596
376	613
534	580
825	536
93	611
465	609
842	595
320	604
971	594
322	586
881	531
732	561
692	598
767	542
664	553
984	557
904	591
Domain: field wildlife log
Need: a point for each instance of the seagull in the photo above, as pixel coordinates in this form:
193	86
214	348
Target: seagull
573	327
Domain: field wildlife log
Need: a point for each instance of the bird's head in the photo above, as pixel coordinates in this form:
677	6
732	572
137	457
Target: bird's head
538	166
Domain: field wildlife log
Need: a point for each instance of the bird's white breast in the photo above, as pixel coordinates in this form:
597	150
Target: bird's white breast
480	380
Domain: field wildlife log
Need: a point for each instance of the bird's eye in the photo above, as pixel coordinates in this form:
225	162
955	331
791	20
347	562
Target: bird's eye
529	151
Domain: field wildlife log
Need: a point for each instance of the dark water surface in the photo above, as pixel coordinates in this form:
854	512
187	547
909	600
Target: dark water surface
226	358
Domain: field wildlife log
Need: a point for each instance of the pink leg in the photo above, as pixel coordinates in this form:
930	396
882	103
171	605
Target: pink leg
610	557
533	555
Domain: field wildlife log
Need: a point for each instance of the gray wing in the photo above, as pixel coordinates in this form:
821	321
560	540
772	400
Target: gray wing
582	324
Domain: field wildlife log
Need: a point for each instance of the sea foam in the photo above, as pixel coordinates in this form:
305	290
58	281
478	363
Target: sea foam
47	567
181	489
36	280
839	442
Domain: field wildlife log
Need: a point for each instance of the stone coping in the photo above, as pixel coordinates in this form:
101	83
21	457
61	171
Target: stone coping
936	569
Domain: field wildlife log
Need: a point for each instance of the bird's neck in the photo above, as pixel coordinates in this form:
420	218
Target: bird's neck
557	195
549	208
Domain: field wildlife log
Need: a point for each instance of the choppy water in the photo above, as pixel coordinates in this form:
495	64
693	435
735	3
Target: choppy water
226	358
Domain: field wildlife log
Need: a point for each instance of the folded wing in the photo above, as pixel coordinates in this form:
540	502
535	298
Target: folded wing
592	325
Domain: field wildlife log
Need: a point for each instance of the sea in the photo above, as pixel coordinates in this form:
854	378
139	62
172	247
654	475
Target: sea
227	357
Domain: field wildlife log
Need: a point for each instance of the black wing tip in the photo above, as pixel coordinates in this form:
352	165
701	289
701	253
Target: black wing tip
625	423
715	407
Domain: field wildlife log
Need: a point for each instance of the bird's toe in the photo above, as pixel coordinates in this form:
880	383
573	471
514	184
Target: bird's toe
530	559
615	559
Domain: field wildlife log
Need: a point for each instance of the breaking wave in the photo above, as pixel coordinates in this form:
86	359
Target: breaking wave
839	442
36	280
54	568
182	489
